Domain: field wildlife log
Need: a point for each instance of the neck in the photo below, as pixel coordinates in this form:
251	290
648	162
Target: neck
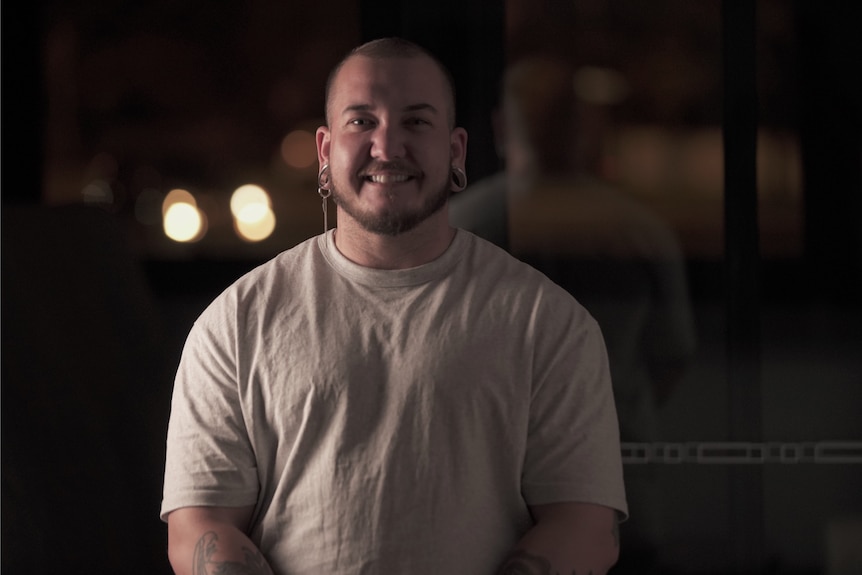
421	245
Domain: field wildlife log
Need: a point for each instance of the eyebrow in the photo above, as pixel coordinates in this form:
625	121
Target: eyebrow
410	108
420	107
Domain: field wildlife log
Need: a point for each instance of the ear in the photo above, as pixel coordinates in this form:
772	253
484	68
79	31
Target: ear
458	147
323	140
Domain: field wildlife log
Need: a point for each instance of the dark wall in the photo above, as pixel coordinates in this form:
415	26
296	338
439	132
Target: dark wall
86	388
830	126
22	104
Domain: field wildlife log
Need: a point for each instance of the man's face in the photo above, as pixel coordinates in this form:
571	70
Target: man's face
388	144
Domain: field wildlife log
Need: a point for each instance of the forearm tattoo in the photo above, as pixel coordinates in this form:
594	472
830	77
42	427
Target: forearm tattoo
522	563
254	563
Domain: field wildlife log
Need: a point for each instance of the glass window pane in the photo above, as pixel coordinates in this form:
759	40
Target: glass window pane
646	79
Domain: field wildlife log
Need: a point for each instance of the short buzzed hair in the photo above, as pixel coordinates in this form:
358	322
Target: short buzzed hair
395	47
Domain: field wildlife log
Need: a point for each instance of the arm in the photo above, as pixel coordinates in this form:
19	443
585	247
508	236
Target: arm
210	540
567	539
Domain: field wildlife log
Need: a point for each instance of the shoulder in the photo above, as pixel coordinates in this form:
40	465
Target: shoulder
277	280
519	284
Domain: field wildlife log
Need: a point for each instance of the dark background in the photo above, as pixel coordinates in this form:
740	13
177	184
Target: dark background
96	304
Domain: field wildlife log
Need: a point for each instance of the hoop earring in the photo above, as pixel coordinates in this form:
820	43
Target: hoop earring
323	183
459	179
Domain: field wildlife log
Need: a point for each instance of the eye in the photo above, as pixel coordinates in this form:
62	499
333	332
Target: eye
417	121
360	122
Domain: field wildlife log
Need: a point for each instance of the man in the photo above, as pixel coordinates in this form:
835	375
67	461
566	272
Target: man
393	396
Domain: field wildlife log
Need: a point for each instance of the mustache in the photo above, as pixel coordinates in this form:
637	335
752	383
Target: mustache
399	166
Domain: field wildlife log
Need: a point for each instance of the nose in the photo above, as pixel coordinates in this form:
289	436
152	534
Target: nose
388	142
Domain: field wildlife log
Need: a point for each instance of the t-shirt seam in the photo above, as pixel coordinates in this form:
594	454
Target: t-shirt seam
457	249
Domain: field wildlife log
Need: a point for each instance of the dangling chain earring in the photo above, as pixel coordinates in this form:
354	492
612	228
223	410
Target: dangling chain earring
324	191
459	179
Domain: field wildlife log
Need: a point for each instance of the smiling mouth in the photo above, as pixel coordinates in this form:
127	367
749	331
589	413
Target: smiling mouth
388	178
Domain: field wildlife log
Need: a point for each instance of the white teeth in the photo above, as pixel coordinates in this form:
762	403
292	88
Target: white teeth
388	178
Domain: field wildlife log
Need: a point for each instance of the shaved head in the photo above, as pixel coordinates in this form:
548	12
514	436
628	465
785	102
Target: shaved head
394	48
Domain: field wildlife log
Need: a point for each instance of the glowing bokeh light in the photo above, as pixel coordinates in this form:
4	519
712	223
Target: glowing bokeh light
248	196
298	149
177	196
183	222
251	207
252	213
257	230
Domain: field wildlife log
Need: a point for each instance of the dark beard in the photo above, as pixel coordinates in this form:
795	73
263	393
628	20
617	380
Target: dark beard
393	222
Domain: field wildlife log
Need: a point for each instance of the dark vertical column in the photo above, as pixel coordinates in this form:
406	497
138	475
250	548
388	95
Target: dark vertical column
742	277
467	36
830	127
23	103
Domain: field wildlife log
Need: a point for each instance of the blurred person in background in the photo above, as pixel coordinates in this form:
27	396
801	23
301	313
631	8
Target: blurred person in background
554	207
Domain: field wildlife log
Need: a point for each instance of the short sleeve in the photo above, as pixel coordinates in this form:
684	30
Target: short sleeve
573	446
210	461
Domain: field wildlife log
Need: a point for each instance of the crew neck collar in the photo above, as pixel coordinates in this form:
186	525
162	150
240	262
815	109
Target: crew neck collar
393	278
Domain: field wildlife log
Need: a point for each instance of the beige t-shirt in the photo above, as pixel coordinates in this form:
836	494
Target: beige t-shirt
392	421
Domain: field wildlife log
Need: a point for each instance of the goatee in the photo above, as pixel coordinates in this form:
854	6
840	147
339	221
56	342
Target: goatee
393	222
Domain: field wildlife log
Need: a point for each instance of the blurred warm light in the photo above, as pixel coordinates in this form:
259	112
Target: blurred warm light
183	222
177	197
249	200
251	207
603	86
298	149
181	218
257	230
